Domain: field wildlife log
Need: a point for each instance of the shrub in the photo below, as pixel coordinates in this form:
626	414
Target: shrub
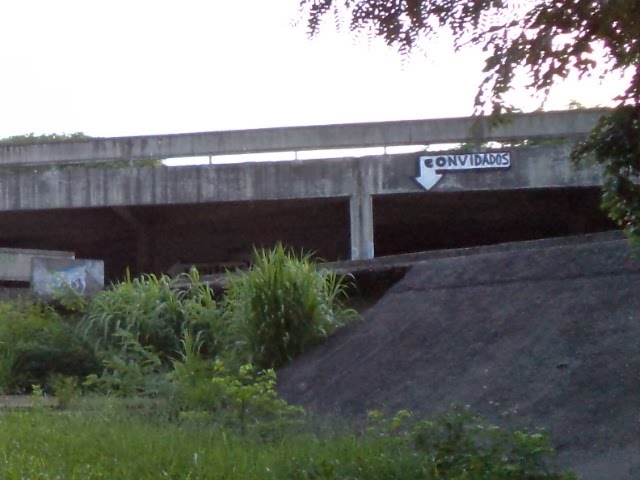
192	375
282	306
459	445
154	312
134	370
36	342
243	397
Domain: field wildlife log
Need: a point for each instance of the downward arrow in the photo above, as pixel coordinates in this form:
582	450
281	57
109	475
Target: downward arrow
428	177
433	167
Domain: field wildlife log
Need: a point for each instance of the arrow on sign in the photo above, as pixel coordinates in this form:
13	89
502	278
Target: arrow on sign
432	168
428	176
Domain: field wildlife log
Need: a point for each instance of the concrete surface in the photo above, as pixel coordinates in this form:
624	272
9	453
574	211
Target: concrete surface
536	338
411	132
15	263
533	167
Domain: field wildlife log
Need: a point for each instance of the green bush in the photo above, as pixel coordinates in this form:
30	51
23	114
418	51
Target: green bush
282	306
137	326
457	445
242	397
460	445
154	312
36	342
134	370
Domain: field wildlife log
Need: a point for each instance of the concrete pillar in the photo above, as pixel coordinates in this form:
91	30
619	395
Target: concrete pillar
361	215
361	211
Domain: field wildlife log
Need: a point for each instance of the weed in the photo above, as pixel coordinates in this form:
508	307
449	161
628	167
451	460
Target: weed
153	312
282	306
35	341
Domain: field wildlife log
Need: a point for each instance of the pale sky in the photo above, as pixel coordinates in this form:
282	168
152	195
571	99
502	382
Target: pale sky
135	67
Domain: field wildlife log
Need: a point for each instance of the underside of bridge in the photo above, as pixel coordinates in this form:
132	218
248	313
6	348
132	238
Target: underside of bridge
154	239
409	223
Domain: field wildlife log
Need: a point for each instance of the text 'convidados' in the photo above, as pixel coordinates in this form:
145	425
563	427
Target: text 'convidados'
432	167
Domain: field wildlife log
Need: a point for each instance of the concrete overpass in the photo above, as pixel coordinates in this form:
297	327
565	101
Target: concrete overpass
96	197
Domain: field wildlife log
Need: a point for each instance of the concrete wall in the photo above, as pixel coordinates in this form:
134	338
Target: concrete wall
15	264
534	167
413	132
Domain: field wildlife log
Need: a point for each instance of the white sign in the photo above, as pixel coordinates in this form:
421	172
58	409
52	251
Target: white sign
431	168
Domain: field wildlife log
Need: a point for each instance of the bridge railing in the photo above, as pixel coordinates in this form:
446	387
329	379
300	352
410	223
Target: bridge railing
549	125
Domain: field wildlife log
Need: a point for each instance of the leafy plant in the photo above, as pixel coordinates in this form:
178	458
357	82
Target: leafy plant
147	307
251	395
458	445
136	370
65	389
36	342
615	145
282	306
244	395
154	311
192	374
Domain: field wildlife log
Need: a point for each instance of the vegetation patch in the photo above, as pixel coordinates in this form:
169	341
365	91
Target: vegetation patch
154	381
283	305
108	440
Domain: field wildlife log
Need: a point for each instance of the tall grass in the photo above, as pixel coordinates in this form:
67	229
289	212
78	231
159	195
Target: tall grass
269	315
282	306
154	312
70	446
110	442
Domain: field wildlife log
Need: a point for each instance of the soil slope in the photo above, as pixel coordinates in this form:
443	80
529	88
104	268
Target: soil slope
541	338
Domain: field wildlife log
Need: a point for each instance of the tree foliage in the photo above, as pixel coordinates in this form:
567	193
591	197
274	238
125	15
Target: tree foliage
542	40
615	144
546	38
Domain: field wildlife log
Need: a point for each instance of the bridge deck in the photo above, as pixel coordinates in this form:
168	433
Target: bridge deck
36	181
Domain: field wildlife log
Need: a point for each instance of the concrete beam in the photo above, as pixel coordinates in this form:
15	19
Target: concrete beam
532	167
412	132
15	264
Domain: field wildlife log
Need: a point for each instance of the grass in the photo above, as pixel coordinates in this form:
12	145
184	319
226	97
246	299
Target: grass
283	305
110	440
115	445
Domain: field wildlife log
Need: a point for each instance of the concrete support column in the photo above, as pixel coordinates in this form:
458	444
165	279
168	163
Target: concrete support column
361	211
361	214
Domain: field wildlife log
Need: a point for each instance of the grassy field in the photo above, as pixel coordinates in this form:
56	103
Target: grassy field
107	440
111	444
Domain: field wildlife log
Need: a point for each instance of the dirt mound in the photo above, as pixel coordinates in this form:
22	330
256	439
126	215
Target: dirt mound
541	338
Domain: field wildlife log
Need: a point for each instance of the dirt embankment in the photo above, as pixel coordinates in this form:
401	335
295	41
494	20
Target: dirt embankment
541	338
